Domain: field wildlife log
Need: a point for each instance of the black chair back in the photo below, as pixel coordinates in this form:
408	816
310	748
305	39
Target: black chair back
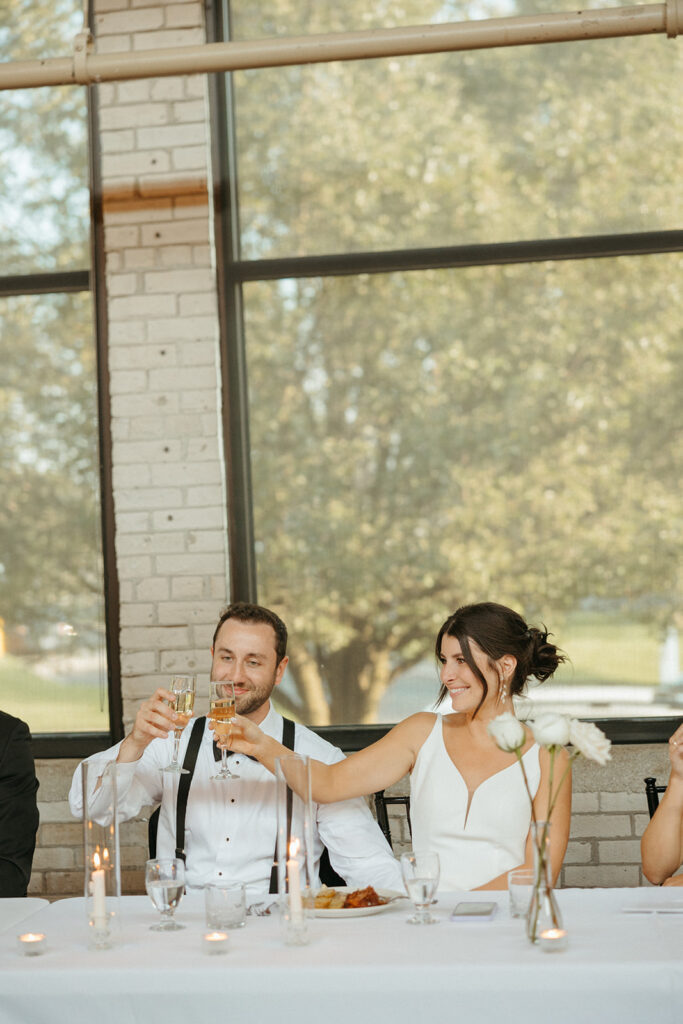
381	804
652	791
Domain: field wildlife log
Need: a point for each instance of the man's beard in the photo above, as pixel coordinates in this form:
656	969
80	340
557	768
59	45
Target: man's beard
253	699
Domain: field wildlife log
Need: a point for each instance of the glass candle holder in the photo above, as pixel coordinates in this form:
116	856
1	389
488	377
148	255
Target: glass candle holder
553	940
215	943
31	944
102	882
294	846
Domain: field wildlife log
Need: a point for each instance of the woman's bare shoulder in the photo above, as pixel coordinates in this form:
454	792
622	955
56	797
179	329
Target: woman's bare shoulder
416	727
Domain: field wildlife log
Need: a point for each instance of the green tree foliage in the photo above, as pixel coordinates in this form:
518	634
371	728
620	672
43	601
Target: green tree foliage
428	438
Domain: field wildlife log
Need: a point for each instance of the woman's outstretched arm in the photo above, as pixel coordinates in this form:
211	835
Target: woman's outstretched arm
365	771
661	847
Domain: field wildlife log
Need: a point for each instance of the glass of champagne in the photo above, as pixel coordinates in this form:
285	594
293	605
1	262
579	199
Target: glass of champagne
165	885
421	877
221	714
184	689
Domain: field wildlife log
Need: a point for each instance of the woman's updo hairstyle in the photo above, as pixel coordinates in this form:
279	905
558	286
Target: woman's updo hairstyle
499	630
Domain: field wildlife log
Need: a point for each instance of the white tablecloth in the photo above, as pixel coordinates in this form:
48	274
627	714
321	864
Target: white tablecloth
619	967
16	909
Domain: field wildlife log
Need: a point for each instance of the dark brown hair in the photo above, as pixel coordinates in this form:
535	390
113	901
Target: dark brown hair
499	630
245	612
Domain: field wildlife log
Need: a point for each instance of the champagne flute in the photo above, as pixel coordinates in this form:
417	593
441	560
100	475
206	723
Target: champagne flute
421	876
222	711
184	688
165	885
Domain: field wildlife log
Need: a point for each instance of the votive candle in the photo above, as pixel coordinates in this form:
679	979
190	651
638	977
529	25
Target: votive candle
31	943
215	942
553	940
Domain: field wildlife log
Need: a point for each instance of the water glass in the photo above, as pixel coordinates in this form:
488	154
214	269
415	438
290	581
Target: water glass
226	905
520	884
421	877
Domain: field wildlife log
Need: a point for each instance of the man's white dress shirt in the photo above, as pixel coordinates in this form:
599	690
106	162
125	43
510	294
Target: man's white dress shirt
230	826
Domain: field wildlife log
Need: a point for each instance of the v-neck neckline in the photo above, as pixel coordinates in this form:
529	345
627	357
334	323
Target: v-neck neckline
471	792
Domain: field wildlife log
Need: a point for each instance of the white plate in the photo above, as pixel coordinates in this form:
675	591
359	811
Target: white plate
358	911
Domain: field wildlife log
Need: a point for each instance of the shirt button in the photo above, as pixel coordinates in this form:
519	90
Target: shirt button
227	839
232	799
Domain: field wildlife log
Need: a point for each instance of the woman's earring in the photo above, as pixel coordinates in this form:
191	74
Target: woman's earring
503	691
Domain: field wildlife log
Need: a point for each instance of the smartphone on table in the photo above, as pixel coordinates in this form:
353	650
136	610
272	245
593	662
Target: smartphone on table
479	911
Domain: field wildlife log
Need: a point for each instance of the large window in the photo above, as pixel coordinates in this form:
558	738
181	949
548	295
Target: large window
457	284
53	670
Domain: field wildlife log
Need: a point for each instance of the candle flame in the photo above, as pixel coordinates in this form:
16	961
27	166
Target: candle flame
96	860
105	854
293	847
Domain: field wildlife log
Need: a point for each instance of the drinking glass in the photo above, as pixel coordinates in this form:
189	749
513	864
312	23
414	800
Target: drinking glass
165	885
183	687
520	884
421	877
221	713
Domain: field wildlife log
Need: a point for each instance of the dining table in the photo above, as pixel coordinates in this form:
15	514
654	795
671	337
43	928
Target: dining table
15	909
623	963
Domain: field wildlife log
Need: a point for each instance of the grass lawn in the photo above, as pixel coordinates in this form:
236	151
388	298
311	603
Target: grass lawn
50	705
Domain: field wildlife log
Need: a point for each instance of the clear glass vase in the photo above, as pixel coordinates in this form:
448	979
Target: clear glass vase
544	914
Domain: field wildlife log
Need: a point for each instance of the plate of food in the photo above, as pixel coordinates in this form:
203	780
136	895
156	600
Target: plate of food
343	901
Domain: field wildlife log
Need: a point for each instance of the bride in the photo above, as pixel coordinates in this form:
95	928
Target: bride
468	799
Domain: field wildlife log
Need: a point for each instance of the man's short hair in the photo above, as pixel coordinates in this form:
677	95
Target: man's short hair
245	612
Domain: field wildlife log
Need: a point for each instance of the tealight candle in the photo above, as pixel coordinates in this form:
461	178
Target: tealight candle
31	944
553	940
215	942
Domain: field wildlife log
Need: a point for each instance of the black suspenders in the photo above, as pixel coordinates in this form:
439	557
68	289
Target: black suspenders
189	763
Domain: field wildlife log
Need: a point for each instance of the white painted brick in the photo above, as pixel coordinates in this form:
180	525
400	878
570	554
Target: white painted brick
185	565
128	21
202	448
183	16
154	637
182	328
640	822
189	205
146	497
114	44
626	851
200	353
135	567
106	93
128	332
171	135
155	588
192	613
193	230
199	497
176	256
583	802
138	688
602	826
150	543
120	237
181	379
179	281
133	475
139	259
206	540
110	5
190	111
142	305
165	38
189	158
186	474
144	405
117	142
138	162
135	662
202	256
122	284
197	401
187	588
606	876
138	356
133	116
218	587
623	801
183	661
148	452
54	811
151	211
138	614
167	89
126	382
126	590
138	90
195	85
53	859
578	853
186	519
132	522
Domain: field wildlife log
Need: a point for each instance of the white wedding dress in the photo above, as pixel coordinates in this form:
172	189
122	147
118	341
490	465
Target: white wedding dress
476	838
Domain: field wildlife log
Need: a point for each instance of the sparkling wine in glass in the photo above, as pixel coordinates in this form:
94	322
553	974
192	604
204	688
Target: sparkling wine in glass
221	713
421	878
183	687
165	884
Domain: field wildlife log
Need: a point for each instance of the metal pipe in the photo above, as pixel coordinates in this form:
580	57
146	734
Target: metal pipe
86	67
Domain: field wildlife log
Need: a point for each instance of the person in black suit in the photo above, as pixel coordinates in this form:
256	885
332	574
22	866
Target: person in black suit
18	806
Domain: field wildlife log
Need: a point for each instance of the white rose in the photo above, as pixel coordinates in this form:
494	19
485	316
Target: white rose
508	732
550	730
589	741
